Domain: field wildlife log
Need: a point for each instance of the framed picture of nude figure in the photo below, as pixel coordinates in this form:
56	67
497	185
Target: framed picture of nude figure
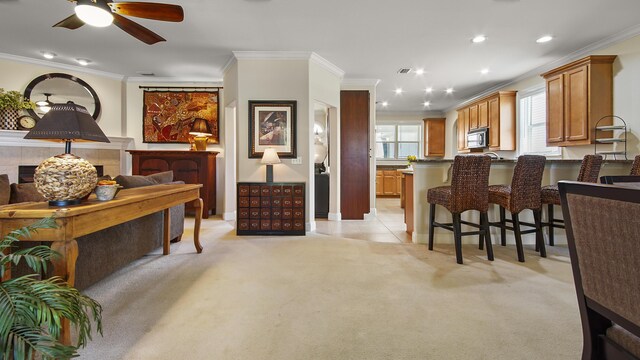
272	124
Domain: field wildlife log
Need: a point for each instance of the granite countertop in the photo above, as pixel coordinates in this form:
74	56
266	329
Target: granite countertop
549	161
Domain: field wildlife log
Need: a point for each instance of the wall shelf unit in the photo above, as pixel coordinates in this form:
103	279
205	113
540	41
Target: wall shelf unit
613	140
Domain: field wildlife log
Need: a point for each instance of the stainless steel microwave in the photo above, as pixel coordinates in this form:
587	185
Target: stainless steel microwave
478	138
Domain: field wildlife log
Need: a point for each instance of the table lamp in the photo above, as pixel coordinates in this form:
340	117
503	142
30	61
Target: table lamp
201	132
270	157
65	179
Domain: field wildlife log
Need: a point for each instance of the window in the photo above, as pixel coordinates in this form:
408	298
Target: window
397	141
533	114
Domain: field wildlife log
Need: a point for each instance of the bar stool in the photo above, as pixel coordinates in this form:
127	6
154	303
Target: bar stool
635	168
524	193
468	191
550	195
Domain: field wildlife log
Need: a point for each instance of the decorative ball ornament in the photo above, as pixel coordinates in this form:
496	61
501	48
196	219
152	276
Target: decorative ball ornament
65	178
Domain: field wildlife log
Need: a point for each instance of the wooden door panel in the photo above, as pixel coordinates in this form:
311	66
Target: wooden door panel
473	117
389	184
483	114
555	109
493	113
152	166
461	130
354	154
576	120
186	170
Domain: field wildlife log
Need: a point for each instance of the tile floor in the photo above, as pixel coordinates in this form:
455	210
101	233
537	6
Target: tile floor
388	226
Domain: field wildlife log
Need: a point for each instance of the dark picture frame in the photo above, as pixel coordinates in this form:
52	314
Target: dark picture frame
169	115
272	123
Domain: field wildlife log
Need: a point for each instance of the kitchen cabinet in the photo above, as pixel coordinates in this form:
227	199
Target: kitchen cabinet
578	95
192	167
434	136
388	182
463	129
497	112
473	117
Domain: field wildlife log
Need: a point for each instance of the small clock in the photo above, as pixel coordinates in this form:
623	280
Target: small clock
26	122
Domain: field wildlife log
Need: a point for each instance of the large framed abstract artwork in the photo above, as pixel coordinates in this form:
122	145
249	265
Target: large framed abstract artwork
272	124
168	115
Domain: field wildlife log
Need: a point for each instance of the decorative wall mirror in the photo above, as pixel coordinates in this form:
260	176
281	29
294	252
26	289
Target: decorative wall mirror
57	88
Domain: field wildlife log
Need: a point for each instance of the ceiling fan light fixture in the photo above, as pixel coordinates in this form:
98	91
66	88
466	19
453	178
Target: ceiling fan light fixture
94	14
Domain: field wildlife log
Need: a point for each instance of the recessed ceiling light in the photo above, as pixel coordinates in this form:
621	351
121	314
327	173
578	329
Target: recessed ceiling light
544	39
478	39
419	71
83	62
426	103
449	90
428	90
398	91
385	104
48	55
484	71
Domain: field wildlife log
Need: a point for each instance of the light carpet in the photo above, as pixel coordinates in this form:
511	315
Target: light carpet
322	297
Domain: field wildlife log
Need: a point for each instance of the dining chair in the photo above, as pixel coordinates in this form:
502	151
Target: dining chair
602	224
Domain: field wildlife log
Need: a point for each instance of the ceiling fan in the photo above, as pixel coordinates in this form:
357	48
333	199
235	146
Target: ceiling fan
102	13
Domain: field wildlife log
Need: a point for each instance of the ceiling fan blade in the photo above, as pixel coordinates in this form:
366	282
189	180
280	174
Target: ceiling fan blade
72	22
136	30
154	11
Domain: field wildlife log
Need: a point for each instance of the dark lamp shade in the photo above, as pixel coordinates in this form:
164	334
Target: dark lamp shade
200	127
69	122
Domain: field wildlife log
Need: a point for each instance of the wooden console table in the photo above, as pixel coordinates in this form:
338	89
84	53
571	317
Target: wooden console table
93	215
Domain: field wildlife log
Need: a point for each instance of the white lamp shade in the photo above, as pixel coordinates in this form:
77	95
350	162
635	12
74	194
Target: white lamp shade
270	157
320	153
94	15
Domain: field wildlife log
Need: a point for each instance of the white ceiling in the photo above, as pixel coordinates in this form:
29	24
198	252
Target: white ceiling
367	39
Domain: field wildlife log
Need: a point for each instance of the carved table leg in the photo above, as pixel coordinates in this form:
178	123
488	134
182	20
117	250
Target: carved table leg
197	203
65	267
166	249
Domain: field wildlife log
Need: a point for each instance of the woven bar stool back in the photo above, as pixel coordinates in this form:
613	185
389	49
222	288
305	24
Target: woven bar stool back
525	184
524	193
550	196
470	183
635	168
468	191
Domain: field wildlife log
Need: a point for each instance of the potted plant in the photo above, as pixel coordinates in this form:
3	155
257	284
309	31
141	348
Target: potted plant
11	102
31	308
411	158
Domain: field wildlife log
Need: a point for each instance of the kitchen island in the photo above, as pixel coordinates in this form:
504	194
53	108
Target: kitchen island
429	173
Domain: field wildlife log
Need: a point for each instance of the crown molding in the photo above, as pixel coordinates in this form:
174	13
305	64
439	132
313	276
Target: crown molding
52	64
232	60
578	54
327	65
360	82
285	55
272	55
422	114
172	81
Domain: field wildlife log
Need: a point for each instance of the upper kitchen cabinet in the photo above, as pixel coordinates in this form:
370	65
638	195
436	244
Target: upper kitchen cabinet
578	95
434	136
463	129
497	112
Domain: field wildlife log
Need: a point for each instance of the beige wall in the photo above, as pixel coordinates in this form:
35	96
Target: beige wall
16	75
626	88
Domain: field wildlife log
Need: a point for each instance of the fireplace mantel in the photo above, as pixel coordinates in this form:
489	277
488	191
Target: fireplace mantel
16	138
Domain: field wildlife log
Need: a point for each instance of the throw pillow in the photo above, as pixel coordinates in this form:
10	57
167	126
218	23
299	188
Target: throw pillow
134	181
25	193
5	189
161	177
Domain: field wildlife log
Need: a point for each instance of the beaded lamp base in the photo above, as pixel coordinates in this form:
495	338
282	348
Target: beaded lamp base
65	179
